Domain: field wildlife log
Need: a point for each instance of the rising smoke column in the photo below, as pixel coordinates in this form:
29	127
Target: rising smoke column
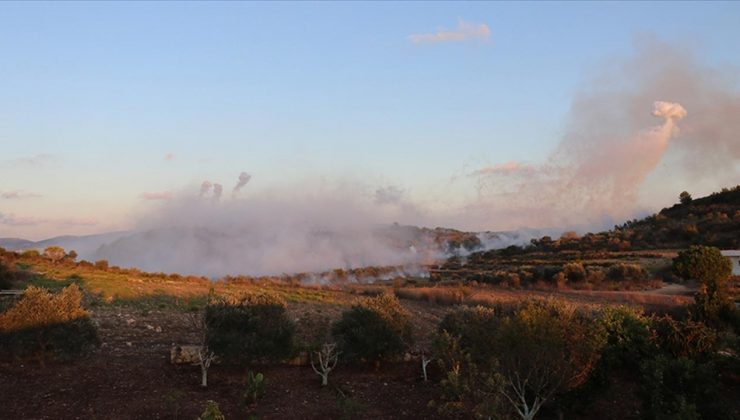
581	184
205	187
243	179
218	189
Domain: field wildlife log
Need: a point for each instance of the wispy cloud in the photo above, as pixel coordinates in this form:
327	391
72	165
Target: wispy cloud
35	160
466	31
508	168
163	195
18	194
169	156
13	220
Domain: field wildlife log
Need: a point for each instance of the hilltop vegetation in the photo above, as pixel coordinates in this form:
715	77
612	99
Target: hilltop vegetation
713	221
635	255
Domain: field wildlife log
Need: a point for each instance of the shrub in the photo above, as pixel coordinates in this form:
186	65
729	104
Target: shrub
6	276
468	386
622	271
212	412
373	329
254	326
54	253
553	344
684	338
629	338
101	265
574	272
475	328
679	388
31	253
712	270
41	323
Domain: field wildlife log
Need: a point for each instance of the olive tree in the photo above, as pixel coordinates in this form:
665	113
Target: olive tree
544	349
712	270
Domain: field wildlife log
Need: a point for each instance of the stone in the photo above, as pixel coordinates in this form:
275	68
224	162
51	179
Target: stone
185	354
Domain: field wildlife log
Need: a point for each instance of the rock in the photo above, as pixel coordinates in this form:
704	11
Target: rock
186	354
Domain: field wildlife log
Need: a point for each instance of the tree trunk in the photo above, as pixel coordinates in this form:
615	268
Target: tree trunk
204	376
324	380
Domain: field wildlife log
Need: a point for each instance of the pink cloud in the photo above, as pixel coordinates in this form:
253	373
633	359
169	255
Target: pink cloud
466	31
508	168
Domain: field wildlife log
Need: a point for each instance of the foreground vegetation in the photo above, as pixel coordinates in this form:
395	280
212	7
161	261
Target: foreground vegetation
517	355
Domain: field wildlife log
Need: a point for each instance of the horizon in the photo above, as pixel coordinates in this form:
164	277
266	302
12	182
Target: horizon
478	117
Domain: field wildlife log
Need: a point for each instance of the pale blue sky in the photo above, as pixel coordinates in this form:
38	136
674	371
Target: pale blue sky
101	92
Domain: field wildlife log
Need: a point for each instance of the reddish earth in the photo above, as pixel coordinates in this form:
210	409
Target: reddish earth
130	377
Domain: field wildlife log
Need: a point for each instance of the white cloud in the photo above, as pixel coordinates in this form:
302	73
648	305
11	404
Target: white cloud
466	31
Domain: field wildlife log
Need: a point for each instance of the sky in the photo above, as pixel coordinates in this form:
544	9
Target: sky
107	109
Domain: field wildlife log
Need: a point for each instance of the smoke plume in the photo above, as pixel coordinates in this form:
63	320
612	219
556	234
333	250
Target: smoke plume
205	187
243	179
302	229
610	147
218	189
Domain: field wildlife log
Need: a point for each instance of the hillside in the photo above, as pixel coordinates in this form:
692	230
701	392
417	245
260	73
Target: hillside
713	220
635	255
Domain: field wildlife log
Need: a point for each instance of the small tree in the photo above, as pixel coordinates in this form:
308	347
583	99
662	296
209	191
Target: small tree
251	327
373	329
712	270
685	197
55	253
327	357
544	349
205	355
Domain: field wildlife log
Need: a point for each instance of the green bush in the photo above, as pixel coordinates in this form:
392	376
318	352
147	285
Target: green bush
574	272
712	270
475	328
685	338
42	324
6	276
629	338
468	386
373	330
679	388
255	326
212	412
623	271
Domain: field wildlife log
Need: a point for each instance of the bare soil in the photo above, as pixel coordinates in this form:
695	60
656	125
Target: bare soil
130	377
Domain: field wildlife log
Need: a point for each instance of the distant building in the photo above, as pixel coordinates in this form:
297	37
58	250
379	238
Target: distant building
734	256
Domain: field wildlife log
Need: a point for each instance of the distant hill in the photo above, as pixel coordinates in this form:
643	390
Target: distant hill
713	220
85	245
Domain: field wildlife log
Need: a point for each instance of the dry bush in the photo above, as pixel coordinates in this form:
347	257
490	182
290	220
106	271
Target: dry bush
436	295
41	323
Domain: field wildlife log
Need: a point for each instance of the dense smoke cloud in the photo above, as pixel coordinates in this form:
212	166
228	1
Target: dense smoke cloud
301	230
611	145
660	107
